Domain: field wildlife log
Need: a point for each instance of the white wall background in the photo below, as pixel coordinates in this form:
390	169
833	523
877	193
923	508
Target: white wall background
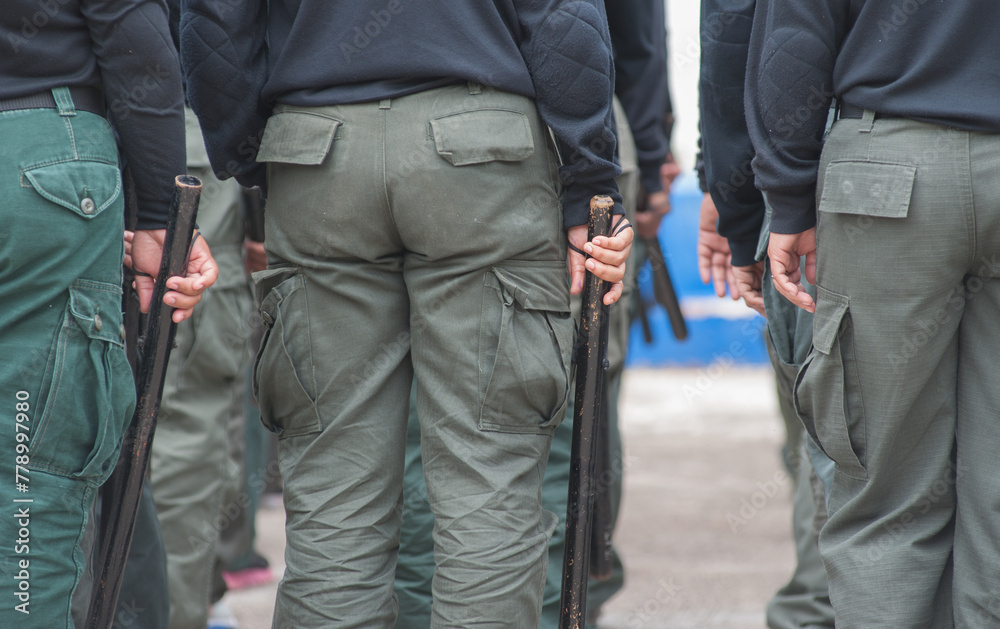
684	53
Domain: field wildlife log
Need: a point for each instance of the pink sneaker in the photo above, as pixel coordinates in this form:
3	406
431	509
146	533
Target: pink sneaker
247	578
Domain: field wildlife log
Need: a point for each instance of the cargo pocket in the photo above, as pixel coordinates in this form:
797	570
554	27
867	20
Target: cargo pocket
525	348
283	379
481	136
297	137
89	390
827	389
85	187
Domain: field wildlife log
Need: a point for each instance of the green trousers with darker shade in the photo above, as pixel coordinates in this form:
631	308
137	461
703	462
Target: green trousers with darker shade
65	385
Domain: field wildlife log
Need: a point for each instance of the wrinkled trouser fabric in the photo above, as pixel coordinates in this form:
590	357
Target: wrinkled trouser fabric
65	383
418	237
900	388
415	565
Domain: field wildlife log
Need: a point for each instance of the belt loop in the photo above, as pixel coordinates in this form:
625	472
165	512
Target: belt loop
867	121
385	103
475	88
64	101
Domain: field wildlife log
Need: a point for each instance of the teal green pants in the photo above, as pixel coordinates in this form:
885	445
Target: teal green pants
421	237
65	384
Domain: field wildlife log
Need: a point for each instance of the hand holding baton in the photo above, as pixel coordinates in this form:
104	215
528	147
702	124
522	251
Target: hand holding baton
591	363
157	342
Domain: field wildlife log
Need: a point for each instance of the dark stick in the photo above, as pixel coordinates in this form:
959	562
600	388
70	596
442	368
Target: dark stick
253	215
647	330
130	306
591	363
663	288
158	340
602	524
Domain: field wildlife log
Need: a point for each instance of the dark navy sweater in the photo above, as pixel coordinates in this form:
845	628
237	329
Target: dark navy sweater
322	52
121	47
931	60
639	36
726	148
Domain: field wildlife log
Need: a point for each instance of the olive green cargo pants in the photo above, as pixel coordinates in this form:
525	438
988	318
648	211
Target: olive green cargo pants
415	568
418	237
901	386
803	602
65	385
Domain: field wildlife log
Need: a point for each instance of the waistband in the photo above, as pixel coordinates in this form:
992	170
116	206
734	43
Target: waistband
857	113
84	98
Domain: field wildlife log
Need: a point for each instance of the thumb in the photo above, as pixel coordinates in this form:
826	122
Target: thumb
144	288
577	272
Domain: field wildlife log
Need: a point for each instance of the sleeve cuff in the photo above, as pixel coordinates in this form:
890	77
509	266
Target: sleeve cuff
744	252
792	212
649	177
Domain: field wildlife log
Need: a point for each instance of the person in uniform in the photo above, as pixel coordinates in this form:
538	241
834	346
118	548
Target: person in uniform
895	219
417	225
638	37
734	209
67	388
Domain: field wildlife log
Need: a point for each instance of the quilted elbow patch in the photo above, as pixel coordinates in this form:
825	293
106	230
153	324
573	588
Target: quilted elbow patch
572	63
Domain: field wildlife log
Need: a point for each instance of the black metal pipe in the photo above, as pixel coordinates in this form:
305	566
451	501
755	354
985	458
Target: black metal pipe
157	342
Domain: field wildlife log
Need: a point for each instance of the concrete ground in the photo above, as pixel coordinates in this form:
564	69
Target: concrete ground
698	443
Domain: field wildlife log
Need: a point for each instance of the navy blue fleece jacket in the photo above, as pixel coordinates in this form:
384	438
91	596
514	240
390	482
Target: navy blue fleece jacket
934	62
726	149
323	52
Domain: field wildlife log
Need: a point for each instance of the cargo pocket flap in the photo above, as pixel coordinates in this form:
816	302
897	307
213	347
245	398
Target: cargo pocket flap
284	380
96	308
477	137
297	138
868	189
533	290
85	187
830	311
266	281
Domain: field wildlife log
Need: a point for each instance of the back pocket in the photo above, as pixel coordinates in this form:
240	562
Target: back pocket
85	187
295	137
481	136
